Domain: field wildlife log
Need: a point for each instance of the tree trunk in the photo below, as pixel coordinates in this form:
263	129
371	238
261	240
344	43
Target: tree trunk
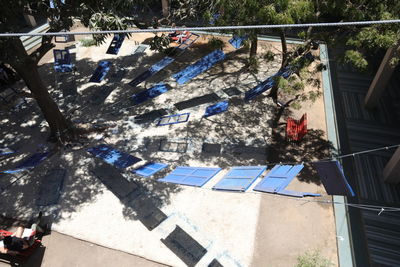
26	67
253	45
284	48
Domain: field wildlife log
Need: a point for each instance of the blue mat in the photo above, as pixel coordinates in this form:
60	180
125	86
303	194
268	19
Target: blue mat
116	44
101	71
239	178
200	66
216	108
151	71
150	169
194	176
161	64
237	41
29	163
50	187
173	119
259	89
112	156
333	178
153	92
62	61
6	151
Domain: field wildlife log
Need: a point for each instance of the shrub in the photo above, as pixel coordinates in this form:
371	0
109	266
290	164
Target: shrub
216	43
269	56
252	64
312	259
88	42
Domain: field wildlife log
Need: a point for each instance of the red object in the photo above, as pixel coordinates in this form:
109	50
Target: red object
26	252
180	37
296	129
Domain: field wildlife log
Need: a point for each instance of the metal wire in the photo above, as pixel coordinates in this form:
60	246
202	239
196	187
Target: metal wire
304	25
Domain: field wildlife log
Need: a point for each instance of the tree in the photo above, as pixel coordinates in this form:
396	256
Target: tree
98	15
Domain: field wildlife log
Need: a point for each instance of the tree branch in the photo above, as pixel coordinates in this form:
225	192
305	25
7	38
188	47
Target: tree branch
45	47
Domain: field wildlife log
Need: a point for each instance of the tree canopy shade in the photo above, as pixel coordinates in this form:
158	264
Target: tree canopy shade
97	14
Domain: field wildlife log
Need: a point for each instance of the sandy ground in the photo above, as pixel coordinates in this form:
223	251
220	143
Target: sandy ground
275	229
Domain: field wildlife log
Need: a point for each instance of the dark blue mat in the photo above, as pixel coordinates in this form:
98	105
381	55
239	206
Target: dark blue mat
112	156
240	178
50	187
200	66
216	108
29	163
151	71
150	169
237	41
116	44
333	179
153	92
101	71
259	89
62	61
195	176
6	151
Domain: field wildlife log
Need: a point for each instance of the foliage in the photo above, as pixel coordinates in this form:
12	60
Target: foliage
269	56
88	42
252	64
160	43
356	58
216	43
312	259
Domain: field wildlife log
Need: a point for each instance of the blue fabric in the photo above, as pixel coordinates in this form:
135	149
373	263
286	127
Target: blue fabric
237	41
139	79
216	108
333	178
278	178
200	66
6	151
101	71
161	64
112	156
173	119
62	61
116	44
29	163
150	169
194	176
239	178
154	91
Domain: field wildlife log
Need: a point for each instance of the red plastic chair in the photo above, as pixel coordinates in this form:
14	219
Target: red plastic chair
26	252
181	37
296	129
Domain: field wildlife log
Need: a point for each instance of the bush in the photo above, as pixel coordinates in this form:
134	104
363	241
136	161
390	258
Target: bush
269	56
216	43
252	64
88	42
312	259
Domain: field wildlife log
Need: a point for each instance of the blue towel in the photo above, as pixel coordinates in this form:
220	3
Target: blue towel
154	91
116	44
101	71
29	163
237	41
200	66
112	156
161	64
62	61
150	169
6	151
216	108
260	88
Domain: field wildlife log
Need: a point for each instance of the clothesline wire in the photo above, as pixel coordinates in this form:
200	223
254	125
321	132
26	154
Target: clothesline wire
209	28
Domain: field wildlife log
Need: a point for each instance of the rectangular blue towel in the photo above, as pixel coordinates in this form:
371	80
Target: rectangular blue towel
29	163
237	41
101	71
216	108
62	61
150	169
240	178
112	156
151	71
200	66
154	91
194	176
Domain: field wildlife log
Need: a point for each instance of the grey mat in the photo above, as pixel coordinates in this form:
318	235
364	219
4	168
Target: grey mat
50	187
147	212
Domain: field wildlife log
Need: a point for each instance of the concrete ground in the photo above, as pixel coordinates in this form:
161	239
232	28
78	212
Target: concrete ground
64	251
238	229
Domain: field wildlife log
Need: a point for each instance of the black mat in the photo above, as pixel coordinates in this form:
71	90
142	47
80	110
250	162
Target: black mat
197	101
208	148
150	116
184	246
139	79
50	187
148	213
168	146
232	91
215	263
100	96
114	181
